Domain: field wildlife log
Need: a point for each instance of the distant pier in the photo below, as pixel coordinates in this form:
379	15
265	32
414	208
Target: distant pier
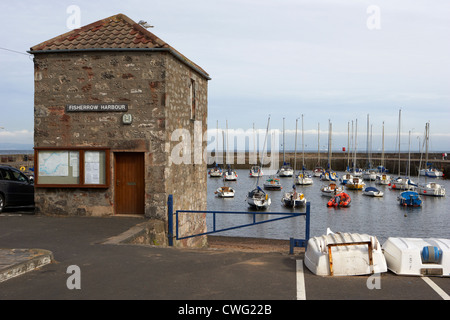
340	160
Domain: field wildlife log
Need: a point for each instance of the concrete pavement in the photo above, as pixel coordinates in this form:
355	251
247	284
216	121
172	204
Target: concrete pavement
109	270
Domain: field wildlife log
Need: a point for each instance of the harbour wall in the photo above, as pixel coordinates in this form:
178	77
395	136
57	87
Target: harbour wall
340	160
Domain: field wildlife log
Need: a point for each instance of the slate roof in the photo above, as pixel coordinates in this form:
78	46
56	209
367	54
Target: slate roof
117	32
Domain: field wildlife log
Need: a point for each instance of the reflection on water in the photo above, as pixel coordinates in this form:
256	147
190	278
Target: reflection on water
381	217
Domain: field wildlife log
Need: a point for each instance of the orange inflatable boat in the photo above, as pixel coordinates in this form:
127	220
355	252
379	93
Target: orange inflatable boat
340	200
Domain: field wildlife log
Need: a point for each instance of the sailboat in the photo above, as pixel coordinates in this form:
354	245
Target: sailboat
225	191
257	198
294	199
255	170
216	171
329	174
286	169
229	174
303	178
369	174
430	171
382	177
403	183
432	188
318	170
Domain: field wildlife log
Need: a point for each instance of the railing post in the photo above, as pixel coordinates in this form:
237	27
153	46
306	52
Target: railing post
307	227
170	219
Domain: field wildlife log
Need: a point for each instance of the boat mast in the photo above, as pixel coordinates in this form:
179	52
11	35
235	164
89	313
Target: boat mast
318	144
382	147
354	154
283	145
295	152
303	147
399	135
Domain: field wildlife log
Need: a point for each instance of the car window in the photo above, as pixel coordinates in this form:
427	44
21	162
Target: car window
18	176
5	174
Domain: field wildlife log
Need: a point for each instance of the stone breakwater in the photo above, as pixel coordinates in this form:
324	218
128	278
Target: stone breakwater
340	160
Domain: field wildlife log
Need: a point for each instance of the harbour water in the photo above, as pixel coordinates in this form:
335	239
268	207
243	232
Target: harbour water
381	217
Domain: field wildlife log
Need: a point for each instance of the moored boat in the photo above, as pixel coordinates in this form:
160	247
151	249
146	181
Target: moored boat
418	256
293	199
431	189
345	178
258	199
303	178
273	184
332	188
341	200
256	171
409	199
373	192
215	172
344	254
355	184
225	192
230	174
383	179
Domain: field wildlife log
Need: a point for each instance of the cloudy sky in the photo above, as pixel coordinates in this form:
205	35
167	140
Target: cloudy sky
326	59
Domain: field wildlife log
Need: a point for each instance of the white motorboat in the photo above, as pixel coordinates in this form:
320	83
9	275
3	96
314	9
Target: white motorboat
215	172
372	192
418	256
355	184
225	192
431	189
383	179
286	171
344	254
303	178
273	184
431	172
293	199
230	175
346	178
258	199
369	175
331	189
256	171
403	184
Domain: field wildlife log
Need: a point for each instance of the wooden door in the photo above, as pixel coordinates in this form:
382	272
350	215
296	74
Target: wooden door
129	182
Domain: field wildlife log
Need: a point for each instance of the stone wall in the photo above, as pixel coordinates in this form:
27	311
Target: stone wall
156	88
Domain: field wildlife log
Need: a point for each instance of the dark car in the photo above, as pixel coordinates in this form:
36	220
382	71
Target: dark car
16	190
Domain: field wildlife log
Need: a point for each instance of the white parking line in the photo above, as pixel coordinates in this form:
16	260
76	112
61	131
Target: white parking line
436	288
301	292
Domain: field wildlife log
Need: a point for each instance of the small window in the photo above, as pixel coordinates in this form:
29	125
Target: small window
57	167
192	98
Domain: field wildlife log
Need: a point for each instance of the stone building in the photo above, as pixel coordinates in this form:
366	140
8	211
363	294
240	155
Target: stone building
113	105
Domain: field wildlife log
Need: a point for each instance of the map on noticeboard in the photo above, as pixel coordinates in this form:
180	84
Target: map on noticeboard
54	163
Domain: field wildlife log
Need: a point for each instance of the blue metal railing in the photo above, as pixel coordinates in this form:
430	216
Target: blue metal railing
285	215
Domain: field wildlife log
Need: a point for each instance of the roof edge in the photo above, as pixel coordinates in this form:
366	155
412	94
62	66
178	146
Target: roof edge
169	49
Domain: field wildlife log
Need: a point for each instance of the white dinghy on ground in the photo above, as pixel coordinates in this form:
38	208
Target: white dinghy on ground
418	256
344	254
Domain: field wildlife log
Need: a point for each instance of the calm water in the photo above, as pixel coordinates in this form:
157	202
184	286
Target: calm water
382	217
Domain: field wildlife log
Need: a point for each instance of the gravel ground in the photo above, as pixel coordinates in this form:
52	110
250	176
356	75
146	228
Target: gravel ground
251	244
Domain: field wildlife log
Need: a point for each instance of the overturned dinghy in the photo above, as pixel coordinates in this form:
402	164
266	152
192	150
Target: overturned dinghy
417	256
344	254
